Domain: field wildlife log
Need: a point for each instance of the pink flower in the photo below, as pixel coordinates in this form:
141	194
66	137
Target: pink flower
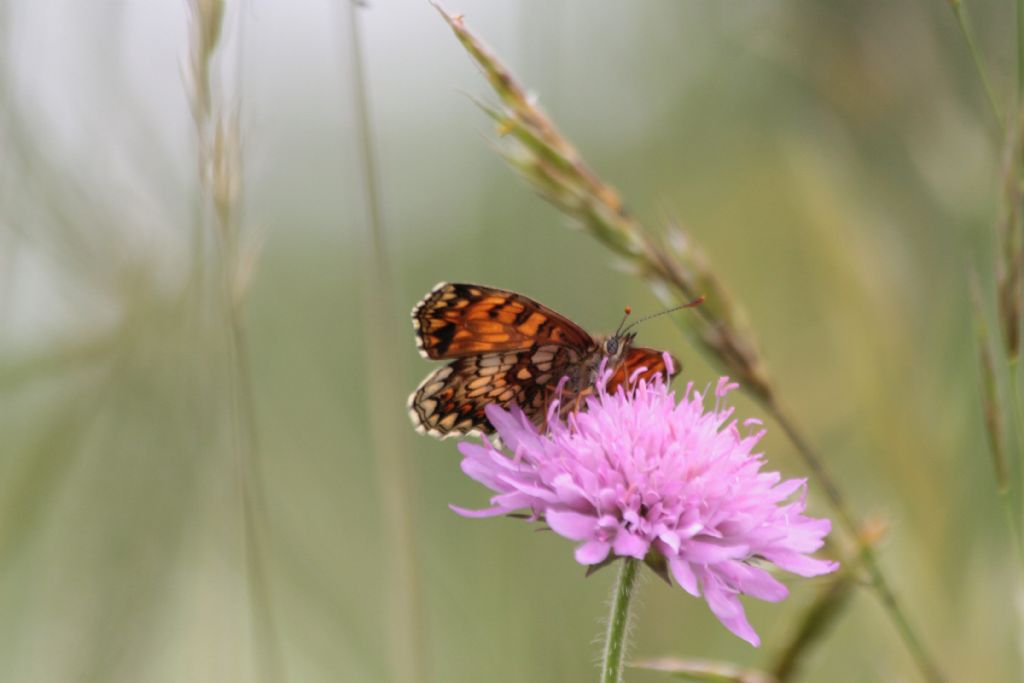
639	475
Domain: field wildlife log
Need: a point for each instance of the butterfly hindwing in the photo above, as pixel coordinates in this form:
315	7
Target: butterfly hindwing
451	400
651	360
457	320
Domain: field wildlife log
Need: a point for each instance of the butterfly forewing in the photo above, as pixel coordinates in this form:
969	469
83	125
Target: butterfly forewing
456	320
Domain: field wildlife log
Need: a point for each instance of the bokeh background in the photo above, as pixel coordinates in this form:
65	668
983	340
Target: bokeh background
837	162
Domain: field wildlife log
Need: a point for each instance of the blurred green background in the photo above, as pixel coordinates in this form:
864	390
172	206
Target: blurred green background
835	160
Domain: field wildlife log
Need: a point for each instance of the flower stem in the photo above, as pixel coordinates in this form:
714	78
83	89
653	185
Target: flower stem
929	669
618	622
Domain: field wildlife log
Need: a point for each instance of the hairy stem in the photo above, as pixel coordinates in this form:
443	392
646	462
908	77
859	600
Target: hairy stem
616	637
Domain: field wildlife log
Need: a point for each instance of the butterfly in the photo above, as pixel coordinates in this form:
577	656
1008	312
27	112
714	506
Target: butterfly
508	349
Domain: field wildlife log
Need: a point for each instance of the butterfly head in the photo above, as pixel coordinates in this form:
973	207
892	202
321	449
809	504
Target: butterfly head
618	344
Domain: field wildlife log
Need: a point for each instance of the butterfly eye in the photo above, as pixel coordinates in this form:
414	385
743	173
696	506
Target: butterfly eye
611	346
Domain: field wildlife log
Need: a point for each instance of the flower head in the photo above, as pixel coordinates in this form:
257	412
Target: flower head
640	475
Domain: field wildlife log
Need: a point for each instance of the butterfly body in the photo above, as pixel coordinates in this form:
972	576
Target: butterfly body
507	349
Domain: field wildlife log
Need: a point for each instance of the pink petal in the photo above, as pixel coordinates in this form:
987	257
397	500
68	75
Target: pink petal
727	607
800	564
703	552
476	465
630	545
671	539
572	525
513	500
669	365
788	488
691	530
486	512
684	575
593	552
568	491
753	581
529	489
807	535
471	449
512	426
724	387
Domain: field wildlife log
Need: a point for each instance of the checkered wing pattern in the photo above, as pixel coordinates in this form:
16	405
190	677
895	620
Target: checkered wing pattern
451	400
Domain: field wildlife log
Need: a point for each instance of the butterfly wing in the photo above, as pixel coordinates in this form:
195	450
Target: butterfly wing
451	400
458	320
652	362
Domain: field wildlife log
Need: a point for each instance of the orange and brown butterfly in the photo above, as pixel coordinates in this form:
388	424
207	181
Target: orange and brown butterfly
508	349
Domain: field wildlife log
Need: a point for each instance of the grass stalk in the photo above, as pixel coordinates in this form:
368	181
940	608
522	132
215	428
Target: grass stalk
1009	264
409	650
255	516
1020	51
672	264
823	613
1014	527
815	624
993	413
220	180
962	20
1018	423
1009	273
254	511
865	551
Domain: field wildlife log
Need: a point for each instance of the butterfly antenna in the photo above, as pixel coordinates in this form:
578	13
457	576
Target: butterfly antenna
628	310
696	302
